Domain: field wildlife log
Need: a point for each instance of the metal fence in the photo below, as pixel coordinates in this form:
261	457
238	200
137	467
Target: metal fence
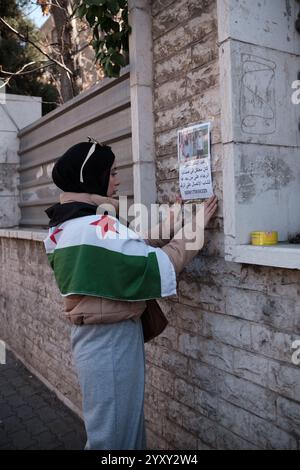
102	112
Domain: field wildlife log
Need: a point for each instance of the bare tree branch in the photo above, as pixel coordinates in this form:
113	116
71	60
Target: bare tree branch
21	36
20	72
13	74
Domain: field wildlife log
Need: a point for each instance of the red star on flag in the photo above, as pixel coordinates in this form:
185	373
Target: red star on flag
106	224
56	231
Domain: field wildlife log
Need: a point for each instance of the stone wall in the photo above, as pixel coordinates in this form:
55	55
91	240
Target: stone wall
221	374
16	111
32	318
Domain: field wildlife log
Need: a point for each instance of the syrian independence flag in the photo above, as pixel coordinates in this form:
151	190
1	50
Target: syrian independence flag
97	255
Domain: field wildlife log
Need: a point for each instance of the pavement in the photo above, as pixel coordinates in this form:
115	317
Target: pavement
31	415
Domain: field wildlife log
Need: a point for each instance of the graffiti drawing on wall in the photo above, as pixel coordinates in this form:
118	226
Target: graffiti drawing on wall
257	95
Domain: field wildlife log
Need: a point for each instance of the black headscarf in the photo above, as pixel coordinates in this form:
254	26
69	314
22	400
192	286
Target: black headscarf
70	169
70	173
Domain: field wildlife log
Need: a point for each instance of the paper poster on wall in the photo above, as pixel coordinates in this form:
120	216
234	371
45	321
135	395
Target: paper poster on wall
194	160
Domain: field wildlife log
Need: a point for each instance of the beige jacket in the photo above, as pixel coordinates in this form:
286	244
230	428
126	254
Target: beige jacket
84	309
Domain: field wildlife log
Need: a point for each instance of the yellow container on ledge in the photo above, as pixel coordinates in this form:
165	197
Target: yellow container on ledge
264	238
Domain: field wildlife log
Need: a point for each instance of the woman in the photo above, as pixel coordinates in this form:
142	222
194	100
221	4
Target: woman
105	285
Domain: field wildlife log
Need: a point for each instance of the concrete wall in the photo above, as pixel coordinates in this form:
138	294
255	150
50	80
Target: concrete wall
221	374
16	111
259	61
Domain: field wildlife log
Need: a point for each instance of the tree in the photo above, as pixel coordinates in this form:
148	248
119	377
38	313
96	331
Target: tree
66	48
21	64
60	60
109	22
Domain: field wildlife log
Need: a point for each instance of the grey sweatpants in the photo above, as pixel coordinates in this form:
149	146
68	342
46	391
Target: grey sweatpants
110	363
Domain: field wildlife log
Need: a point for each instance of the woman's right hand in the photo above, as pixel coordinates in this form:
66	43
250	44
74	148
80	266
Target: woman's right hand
210	207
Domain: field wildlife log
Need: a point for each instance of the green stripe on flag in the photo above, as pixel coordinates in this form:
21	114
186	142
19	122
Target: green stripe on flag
90	270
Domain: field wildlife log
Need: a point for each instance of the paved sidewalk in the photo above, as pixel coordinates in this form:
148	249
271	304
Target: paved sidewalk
31	416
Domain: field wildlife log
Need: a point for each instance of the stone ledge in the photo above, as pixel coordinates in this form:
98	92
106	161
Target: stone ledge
24	234
282	255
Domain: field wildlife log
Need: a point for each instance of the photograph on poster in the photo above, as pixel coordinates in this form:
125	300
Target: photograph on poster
193	142
193	145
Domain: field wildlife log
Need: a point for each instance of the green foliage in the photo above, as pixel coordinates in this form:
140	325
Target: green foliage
109	22
15	53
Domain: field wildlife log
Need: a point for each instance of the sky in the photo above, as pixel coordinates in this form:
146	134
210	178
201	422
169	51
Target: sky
35	13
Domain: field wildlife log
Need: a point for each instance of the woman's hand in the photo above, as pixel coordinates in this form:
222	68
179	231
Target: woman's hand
210	207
